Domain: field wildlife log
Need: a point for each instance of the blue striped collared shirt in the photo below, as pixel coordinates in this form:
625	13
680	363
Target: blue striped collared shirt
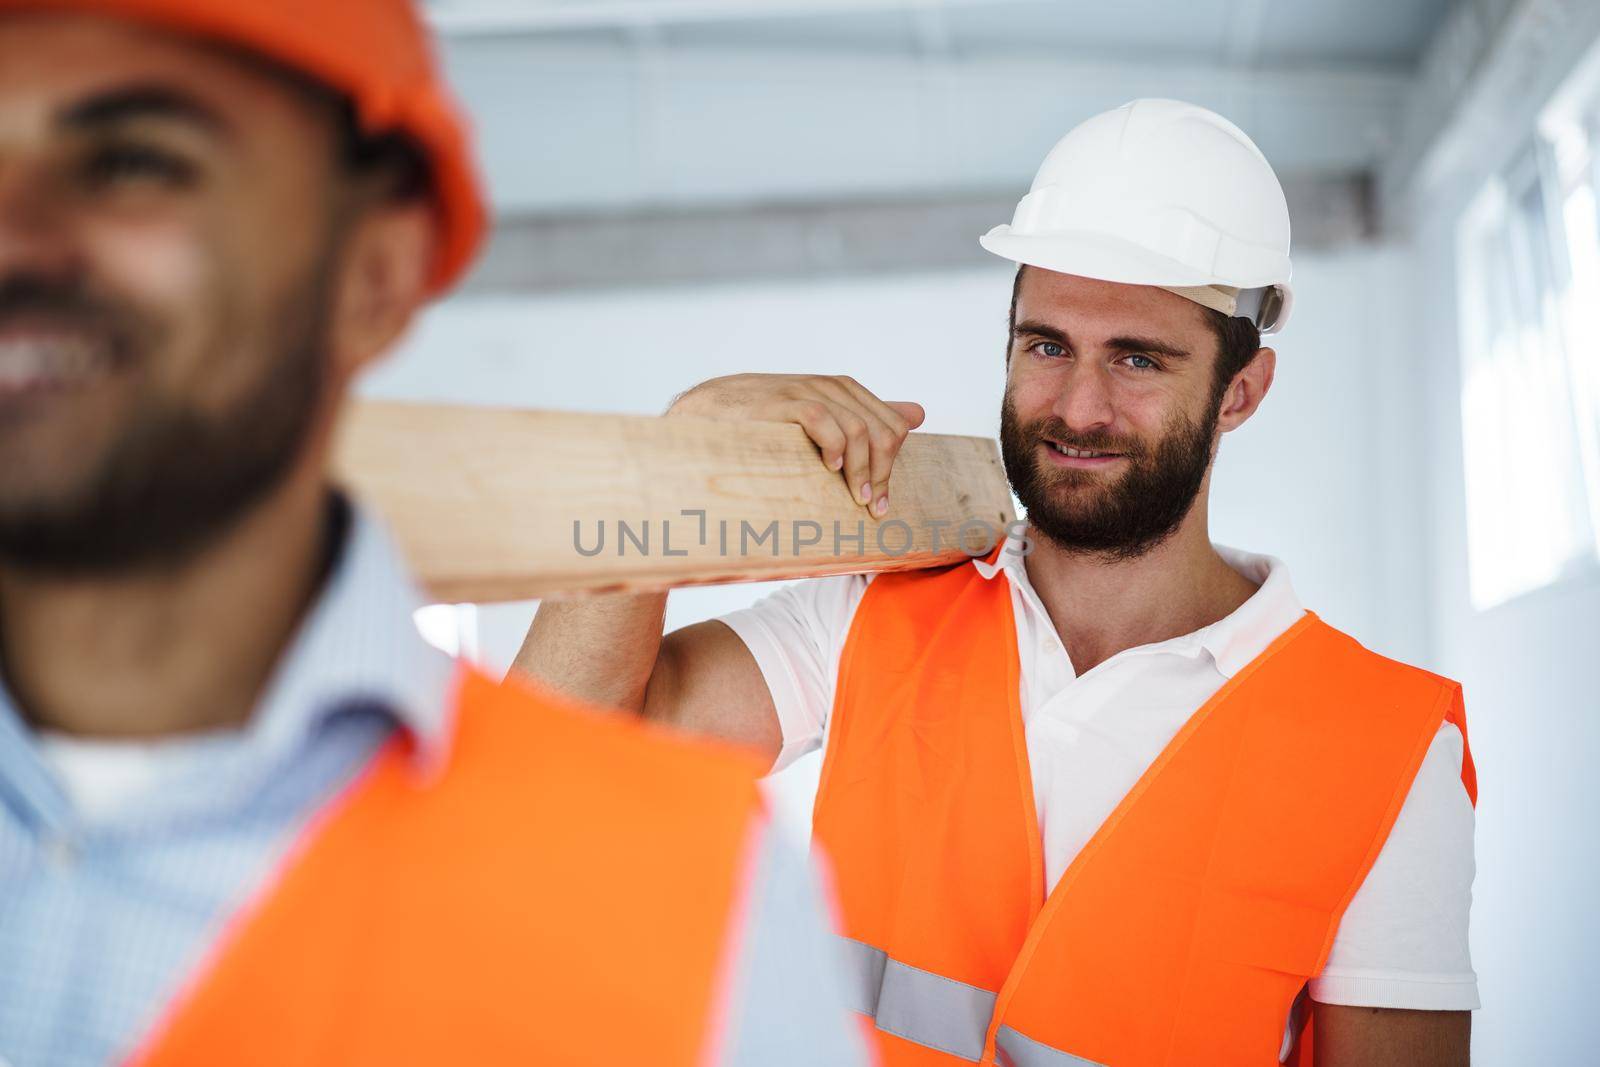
106	909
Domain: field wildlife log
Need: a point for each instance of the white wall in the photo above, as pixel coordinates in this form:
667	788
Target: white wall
1531	666
1531	671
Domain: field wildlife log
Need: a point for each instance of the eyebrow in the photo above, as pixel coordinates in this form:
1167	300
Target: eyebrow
138	102
1147	344
1034	328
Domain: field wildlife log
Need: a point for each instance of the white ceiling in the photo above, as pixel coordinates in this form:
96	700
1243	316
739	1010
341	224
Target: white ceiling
707	123
744	111
1323	32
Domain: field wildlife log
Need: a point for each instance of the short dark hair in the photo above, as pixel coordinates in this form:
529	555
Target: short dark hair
391	160
1237	339
401	166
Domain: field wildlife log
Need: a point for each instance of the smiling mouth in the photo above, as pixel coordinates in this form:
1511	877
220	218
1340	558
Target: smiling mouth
39	362
1080	453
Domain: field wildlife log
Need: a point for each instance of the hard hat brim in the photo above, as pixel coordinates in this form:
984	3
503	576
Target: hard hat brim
1111	259
1092	255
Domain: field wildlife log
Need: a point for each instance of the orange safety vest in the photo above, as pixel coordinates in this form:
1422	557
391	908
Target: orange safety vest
564	892
1186	928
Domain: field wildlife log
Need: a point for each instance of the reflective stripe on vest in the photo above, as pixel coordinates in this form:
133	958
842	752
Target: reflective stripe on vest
1019	1050
1188	925
917	1005
937	1012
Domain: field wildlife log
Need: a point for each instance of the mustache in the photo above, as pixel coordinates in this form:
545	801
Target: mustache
1054	429
30	298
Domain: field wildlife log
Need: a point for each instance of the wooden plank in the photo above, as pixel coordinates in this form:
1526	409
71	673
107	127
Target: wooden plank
493	504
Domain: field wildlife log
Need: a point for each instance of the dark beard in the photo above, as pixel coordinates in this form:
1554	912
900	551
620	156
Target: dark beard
179	479
1114	521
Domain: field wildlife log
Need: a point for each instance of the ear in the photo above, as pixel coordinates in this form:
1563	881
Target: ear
1247	390
382	281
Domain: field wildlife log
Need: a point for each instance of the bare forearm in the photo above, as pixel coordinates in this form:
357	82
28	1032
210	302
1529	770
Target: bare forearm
601	649
1391	1037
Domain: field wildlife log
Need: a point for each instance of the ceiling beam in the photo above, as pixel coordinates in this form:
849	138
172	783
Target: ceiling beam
822	239
470	17
1484	79
592	129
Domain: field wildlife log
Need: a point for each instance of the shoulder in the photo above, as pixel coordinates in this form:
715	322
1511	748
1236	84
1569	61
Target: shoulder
831	599
1345	686
828	604
796	631
1348	659
920	595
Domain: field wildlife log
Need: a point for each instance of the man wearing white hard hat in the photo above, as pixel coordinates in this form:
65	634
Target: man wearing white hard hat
1110	794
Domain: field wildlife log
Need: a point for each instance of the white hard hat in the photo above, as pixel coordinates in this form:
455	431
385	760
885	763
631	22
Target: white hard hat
1163	193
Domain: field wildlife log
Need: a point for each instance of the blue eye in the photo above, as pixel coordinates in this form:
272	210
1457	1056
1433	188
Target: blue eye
1050	349
1146	362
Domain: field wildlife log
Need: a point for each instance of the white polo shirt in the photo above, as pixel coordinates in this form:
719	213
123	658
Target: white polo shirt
1403	940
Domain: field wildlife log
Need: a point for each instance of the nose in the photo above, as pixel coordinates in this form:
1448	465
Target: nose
1084	400
34	237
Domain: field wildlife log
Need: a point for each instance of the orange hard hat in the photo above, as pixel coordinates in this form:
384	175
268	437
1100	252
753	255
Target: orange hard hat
377	53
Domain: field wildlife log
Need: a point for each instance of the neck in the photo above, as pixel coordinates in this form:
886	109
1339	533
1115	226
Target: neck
1101	608
160	653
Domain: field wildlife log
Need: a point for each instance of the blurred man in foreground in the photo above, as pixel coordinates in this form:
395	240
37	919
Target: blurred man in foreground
246	815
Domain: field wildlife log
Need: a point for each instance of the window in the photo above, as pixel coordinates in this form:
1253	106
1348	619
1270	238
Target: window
1530	332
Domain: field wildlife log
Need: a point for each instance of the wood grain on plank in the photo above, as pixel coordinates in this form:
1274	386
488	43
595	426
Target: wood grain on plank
493	504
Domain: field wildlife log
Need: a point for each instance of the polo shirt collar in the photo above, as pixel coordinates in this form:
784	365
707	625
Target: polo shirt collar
1232	641
1238	638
